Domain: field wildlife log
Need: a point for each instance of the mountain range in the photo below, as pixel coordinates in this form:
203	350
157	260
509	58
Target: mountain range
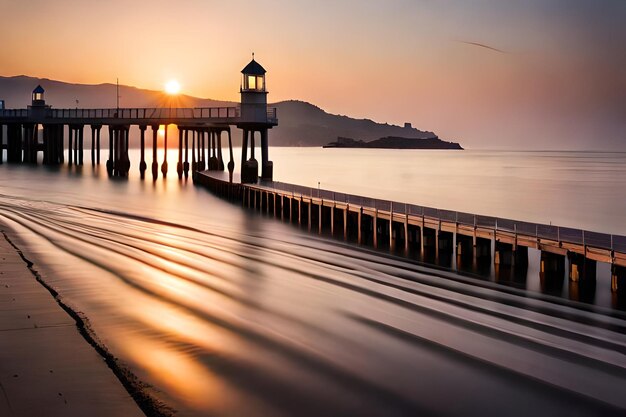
300	123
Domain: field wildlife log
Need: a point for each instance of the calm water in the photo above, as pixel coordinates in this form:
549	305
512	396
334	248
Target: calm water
224	312
572	189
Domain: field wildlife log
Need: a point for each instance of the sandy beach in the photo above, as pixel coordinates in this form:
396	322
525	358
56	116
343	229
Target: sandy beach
47	368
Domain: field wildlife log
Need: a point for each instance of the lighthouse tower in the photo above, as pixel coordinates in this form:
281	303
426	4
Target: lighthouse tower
254	118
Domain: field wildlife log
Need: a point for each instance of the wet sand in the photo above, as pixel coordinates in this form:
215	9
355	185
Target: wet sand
46	366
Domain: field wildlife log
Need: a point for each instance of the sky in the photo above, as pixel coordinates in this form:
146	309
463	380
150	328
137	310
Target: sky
491	74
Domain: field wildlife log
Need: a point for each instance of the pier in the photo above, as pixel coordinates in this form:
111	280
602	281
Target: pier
435	236
42	128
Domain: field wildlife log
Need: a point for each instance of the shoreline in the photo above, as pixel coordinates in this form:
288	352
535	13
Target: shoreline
139	401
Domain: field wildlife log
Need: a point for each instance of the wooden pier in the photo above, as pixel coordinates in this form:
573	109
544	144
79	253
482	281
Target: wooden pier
431	234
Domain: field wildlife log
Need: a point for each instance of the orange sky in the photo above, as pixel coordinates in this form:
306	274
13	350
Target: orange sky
558	83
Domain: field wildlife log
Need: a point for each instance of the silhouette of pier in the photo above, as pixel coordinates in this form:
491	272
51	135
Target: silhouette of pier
41	128
473	242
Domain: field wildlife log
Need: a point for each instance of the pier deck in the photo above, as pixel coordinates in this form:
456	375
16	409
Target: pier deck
395	224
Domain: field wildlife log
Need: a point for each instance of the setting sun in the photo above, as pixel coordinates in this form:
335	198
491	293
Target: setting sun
172	87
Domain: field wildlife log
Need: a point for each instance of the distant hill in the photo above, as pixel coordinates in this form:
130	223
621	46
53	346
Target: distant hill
303	124
394	142
300	123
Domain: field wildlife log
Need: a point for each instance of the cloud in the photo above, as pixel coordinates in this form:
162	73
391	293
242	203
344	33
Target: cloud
482	45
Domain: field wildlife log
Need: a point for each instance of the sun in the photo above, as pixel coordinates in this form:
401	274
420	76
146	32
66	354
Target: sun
172	87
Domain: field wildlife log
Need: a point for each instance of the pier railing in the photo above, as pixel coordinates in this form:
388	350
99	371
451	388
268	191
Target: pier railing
147	113
17	113
195	113
537	230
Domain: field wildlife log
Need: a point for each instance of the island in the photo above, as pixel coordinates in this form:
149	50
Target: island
395	142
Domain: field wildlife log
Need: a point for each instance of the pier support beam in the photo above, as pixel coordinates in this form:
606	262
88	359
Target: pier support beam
244	148
552	272
430	244
392	232
360	226
445	248
93	146
80	144
110	161
220	158
581	268
205	147
54	137
60	140
29	143
250	167
123	161
186	162
99	128
142	163
482	255
510	263
464	252
118	164
195	144
506	254
14	143
398	237
231	162
70	145
413	240
267	166
200	162
618	279
95	143
155	163
116	151
582	277
320	217
47	142
375	229
179	165
345	224
164	165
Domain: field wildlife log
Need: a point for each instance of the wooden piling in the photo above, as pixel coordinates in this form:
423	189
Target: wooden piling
359	231
319	217
142	146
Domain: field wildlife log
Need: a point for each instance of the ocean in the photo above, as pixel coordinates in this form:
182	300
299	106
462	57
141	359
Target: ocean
222	311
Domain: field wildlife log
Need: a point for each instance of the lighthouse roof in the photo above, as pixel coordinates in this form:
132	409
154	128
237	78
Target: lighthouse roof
38	90
253	68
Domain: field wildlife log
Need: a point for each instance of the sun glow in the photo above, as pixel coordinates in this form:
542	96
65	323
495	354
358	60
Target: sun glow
172	87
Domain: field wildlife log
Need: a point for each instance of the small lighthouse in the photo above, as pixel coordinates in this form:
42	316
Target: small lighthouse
254	118
37	109
38	97
253	93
